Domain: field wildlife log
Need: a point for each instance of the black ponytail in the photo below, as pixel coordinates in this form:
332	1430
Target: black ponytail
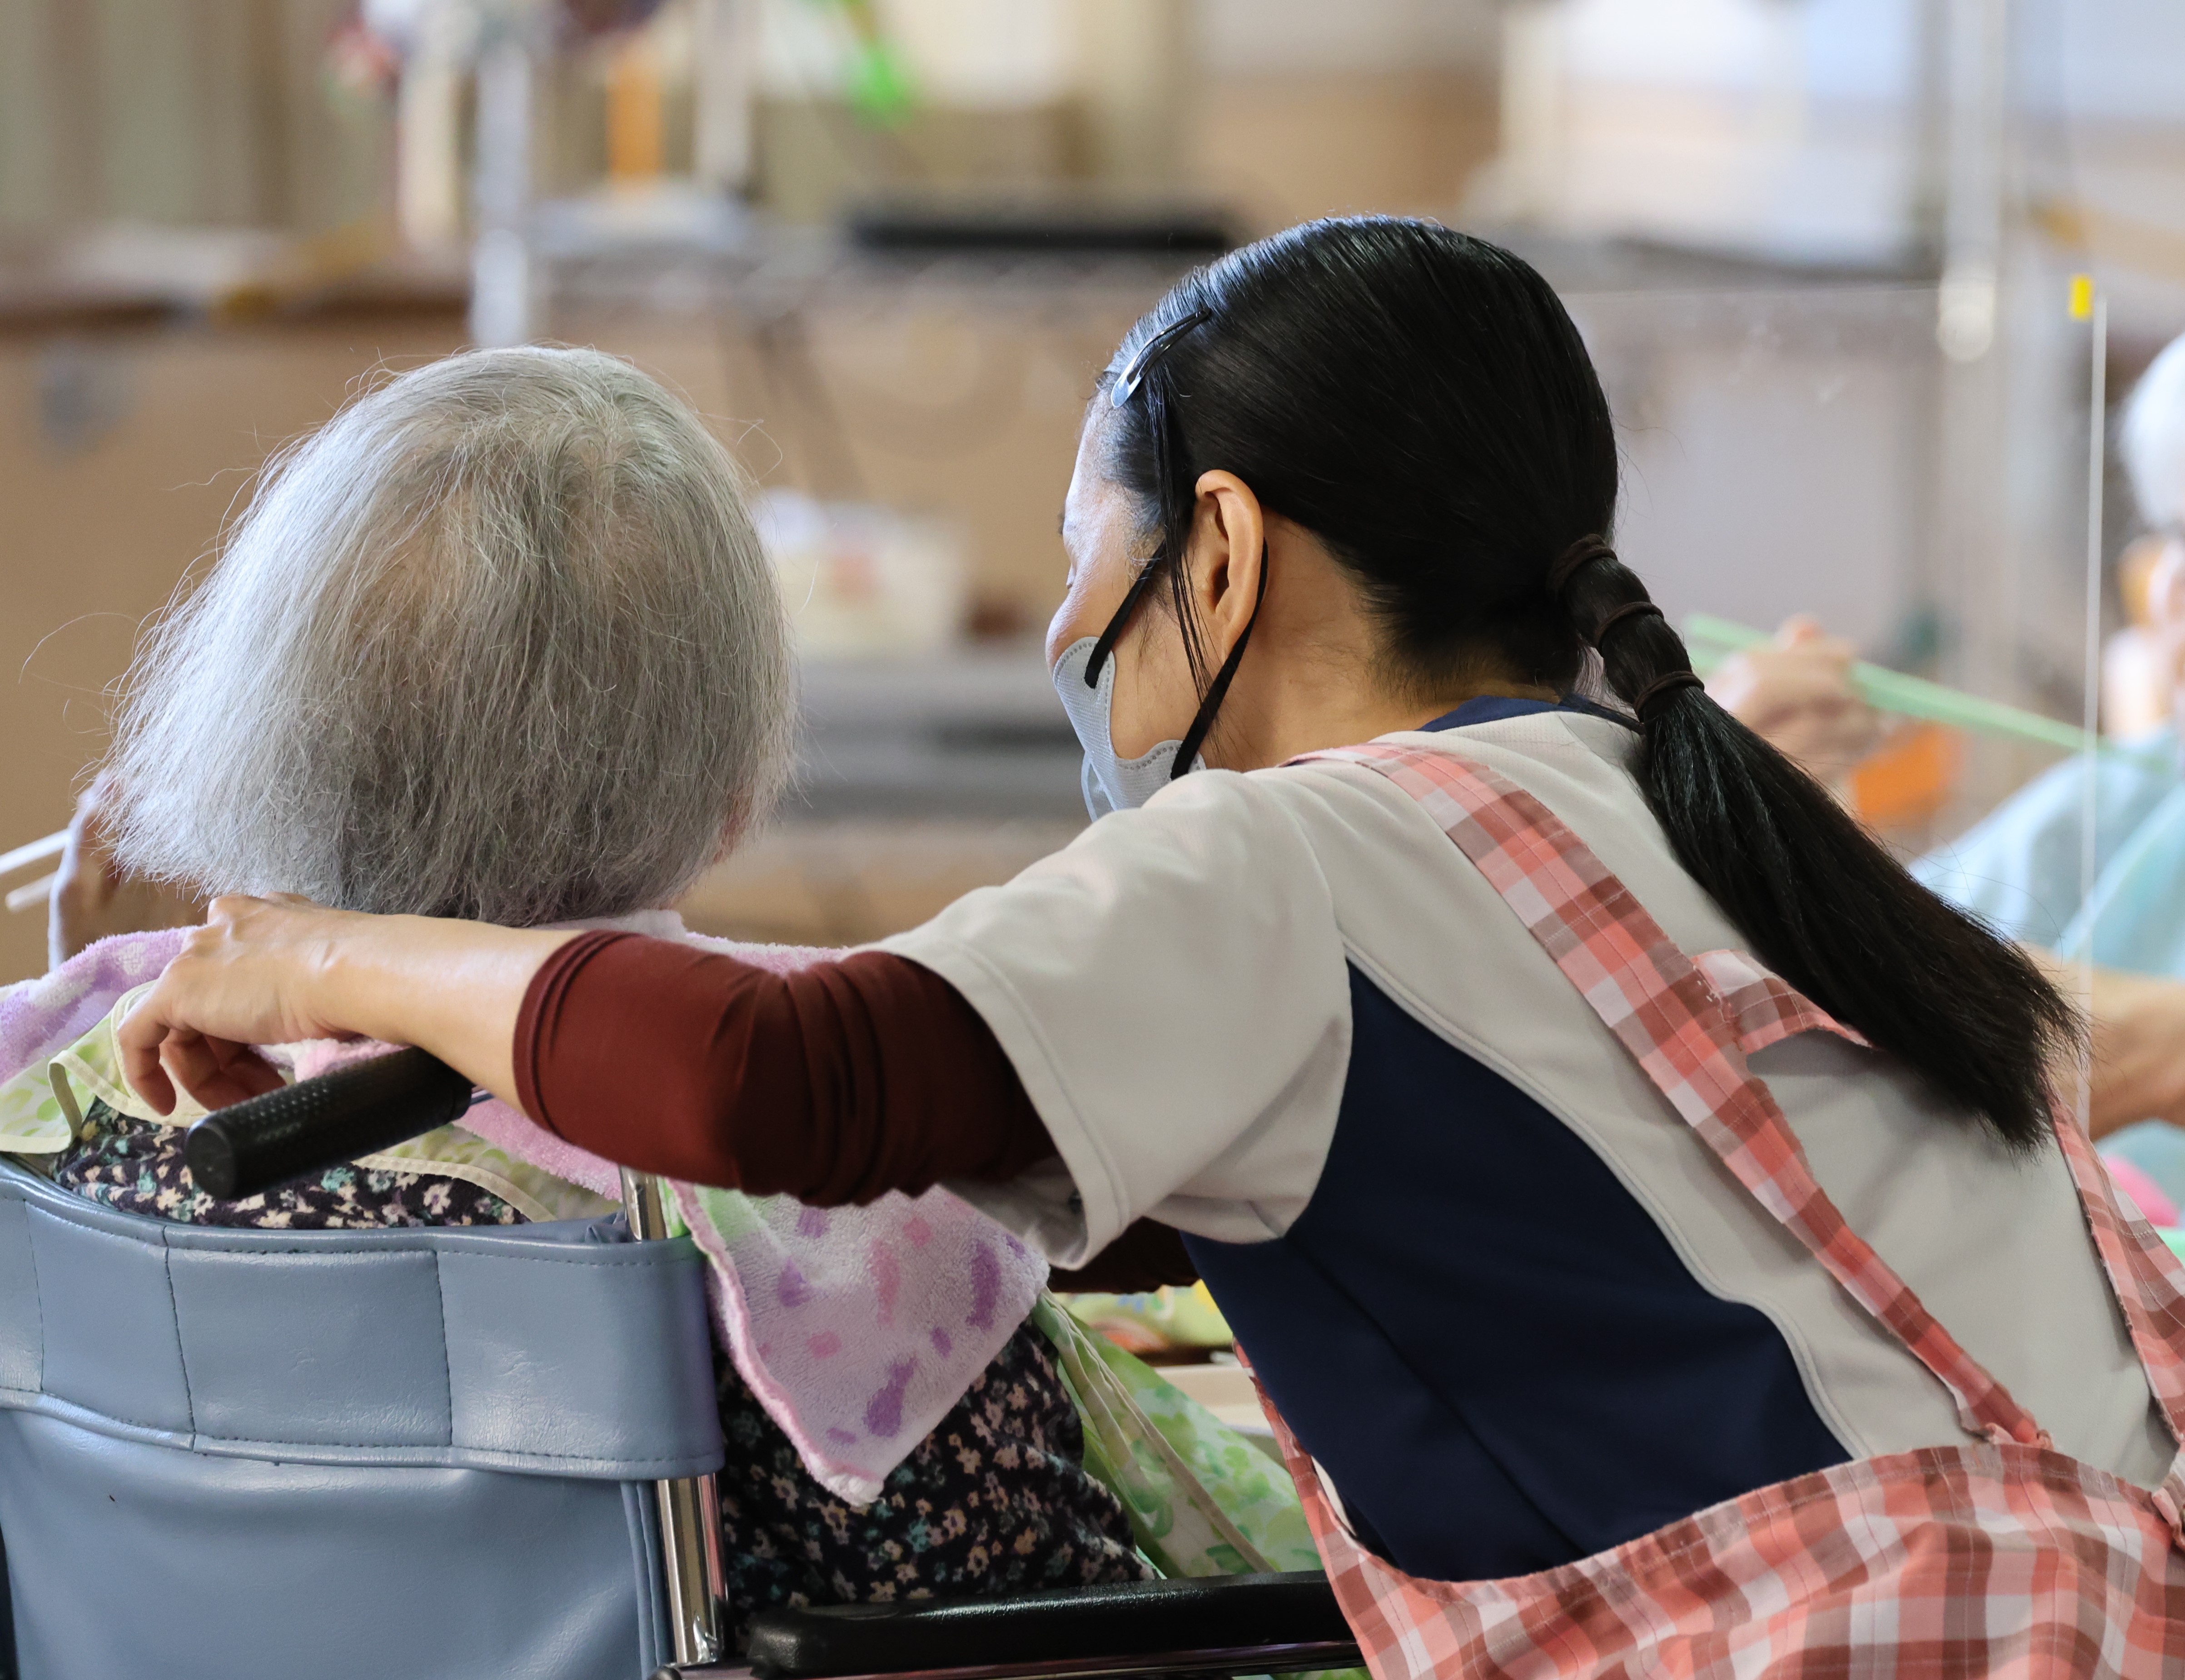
1822	904
1421	402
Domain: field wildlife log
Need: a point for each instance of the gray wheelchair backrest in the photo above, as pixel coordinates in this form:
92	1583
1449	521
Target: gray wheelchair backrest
428	1453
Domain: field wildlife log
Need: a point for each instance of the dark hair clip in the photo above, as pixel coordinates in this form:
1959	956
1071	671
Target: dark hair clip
1147	354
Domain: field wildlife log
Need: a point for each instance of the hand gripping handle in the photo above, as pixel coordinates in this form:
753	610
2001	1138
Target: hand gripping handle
307	1127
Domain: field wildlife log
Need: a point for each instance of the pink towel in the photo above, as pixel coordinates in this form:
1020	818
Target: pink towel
857	1328
38	1017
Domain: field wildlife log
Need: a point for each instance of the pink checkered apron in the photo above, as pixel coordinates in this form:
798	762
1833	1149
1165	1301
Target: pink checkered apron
1996	1556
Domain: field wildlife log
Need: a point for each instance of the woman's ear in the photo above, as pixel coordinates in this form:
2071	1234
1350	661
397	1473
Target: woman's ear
1228	551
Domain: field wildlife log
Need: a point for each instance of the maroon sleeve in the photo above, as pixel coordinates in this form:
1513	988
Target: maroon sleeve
834	1084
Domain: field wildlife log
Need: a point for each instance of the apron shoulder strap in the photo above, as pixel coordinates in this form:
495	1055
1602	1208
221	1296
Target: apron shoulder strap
1763	1008
2149	1282
1676	1024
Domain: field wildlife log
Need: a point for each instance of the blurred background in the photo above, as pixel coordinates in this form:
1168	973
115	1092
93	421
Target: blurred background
1822	250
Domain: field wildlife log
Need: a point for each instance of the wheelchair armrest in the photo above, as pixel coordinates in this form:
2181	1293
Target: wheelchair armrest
1088	1629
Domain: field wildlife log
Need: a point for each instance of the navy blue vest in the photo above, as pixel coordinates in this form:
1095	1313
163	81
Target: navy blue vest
1489	1344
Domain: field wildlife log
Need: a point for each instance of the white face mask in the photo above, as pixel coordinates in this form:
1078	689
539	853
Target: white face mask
1111	784
1085	678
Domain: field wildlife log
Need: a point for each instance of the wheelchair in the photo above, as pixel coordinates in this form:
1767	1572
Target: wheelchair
443	1451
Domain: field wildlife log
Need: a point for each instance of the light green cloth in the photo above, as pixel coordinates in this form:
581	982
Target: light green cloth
1203	1498
1169	1317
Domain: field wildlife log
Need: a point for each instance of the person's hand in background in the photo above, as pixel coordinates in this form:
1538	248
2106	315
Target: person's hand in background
1794	692
93	896
2139	1045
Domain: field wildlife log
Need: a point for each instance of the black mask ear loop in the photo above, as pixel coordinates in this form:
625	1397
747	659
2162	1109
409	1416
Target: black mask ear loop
1196	735
1120	620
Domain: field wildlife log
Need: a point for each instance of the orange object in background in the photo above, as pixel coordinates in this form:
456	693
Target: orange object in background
2135	577
1909	777
637	120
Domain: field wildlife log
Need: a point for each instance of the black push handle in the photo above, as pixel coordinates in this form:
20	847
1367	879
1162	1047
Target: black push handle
314	1124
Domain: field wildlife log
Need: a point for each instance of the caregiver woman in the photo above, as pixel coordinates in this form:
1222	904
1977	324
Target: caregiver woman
1350	485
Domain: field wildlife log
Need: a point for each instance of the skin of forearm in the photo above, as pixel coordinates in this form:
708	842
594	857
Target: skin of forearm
269	972
455	988
2138	1027
2139	1051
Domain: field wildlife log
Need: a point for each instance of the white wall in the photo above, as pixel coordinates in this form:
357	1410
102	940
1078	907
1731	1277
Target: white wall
1861	49
1004	52
1794	126
1775	449
2120	59
1263	37
1756	124
984	54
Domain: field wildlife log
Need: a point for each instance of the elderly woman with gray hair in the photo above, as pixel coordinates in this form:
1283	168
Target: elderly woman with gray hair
500	643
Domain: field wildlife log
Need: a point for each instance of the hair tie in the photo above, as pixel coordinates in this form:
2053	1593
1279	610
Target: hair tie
1661	687
1583	553
1630	609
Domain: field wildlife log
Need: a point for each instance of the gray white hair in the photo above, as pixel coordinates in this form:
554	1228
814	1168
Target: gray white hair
2153	437
499	641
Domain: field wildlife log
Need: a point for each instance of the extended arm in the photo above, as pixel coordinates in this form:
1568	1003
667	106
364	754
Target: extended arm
836	1084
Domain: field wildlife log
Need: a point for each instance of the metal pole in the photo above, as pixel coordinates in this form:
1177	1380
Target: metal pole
2089	807
1978	586
727	33
1972	213
504	282
690	1507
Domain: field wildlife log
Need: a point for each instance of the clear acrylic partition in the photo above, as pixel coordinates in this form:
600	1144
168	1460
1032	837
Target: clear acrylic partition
1802	446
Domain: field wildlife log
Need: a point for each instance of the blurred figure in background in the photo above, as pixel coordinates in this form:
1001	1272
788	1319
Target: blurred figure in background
2021	868
1796	694
2141	662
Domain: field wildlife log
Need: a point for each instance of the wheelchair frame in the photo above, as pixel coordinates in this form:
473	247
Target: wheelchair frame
1228	1624
1231	1625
